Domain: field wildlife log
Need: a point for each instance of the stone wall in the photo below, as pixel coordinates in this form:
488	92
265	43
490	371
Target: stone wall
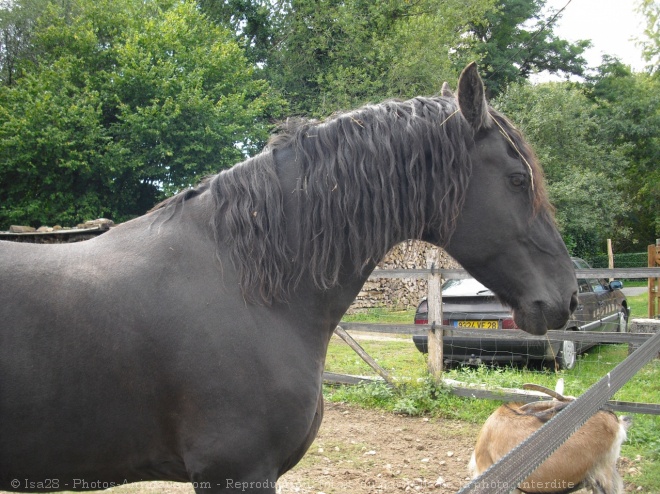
57	234
402	293
642	326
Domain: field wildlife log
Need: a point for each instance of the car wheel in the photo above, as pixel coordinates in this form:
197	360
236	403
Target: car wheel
623	322
567	355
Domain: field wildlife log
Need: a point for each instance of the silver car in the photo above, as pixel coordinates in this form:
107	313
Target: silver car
466	303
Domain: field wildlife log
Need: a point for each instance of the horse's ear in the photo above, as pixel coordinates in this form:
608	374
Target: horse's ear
472	98
446	91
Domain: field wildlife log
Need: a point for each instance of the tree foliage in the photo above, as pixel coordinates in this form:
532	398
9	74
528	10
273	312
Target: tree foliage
252	22
332	55
650	43
628	107
16	30
583	175
123	102
516	39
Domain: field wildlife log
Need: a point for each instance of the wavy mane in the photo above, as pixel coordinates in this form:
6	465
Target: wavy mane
384	172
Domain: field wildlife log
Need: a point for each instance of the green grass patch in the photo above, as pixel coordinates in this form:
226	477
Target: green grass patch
639	305
632	283
382	315
400	358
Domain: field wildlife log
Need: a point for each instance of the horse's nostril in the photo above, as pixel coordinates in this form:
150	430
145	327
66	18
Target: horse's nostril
574	302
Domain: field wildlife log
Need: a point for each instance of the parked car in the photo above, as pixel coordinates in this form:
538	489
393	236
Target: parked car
466	303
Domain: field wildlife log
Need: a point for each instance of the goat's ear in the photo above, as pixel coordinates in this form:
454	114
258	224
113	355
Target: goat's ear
472	98
446	91
626	421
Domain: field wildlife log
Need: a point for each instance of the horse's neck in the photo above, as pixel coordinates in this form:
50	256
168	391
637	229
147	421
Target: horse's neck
336	299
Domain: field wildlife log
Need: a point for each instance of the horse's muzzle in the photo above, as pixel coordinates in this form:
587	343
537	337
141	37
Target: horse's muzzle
540	316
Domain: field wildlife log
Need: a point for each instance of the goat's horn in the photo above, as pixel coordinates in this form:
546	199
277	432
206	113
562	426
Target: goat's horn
537	406
548	391
543	409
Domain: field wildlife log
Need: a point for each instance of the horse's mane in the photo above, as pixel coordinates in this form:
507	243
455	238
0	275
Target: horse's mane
382	173
377	174
185	195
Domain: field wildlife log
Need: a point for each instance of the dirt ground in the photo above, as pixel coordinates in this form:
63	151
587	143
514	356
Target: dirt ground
360	451
364	451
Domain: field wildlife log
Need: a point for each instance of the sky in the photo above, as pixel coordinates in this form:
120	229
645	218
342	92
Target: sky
609	24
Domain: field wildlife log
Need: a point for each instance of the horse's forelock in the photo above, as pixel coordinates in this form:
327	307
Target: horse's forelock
540	199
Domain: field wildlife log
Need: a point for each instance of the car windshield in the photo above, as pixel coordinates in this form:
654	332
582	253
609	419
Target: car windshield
580	263
464	288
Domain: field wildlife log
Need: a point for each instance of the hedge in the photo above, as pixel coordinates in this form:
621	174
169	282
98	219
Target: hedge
628	260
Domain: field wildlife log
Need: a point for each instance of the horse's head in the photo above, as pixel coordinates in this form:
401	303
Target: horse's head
506	236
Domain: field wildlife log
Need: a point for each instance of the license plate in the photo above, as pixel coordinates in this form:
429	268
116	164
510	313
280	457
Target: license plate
476	324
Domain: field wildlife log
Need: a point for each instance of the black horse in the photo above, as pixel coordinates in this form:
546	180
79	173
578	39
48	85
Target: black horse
189	344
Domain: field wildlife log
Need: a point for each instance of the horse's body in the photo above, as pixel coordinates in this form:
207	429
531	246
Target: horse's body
189	344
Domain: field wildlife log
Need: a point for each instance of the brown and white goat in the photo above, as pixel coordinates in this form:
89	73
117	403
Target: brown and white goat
587	460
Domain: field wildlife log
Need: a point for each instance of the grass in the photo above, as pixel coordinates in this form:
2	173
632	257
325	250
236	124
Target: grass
382	315
417	394
638	303
638	306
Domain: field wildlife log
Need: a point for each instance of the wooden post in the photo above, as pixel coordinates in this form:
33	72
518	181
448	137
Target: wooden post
610	255
434	301
654	283
339	331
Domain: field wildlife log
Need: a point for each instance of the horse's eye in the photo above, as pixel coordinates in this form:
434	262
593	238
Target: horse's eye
518	180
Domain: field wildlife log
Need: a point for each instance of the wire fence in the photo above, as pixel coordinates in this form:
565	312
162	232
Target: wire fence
599	351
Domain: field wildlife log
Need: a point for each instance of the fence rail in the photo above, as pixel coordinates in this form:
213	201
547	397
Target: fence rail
553	335
625	273
506	334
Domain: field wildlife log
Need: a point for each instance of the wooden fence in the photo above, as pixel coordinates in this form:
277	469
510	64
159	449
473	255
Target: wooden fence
654	283
436	332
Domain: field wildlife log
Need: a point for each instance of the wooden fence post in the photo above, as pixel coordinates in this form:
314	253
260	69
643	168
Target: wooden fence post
654	283
434	303
610	256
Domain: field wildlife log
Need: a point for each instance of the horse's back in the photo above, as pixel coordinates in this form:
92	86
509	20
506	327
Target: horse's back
116	359
29	271
64	359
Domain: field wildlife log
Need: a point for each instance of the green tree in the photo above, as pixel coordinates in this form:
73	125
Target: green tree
188	102
54	154
330	54
126	101
584	174
650	9
516	39
628	106
251	20
16	29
